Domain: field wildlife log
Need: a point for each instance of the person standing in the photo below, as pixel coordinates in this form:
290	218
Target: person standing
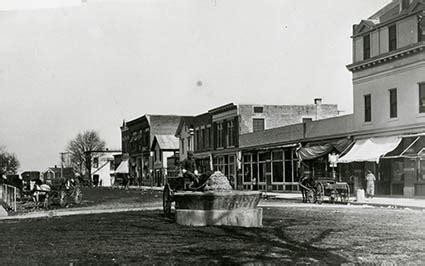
370	188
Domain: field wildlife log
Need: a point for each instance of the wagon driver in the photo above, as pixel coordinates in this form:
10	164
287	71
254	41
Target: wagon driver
189	168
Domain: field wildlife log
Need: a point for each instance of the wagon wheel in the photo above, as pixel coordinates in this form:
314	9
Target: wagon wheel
345	195
167	200
62	198
77	195
320	192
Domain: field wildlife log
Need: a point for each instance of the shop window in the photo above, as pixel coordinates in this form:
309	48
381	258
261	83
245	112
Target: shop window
422	98
277	155
366	47
247	173
392	37
393	103
258	124
277	172
368	108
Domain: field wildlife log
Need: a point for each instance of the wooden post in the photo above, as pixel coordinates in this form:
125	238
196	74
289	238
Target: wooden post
14	203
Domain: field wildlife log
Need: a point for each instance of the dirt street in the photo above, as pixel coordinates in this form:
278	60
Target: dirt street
326	235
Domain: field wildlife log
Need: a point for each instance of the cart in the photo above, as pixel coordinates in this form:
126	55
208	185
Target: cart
316	189
61	192
336	191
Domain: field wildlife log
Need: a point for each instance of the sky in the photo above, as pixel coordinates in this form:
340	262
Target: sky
67	66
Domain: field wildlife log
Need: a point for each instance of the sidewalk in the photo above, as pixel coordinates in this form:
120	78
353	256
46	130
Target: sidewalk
412	203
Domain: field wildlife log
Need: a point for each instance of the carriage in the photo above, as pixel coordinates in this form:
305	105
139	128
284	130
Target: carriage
315	190
61	192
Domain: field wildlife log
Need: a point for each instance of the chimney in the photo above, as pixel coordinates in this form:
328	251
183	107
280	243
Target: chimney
318	101
307	119
404	4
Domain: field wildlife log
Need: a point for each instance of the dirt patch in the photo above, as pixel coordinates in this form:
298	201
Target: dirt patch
290	235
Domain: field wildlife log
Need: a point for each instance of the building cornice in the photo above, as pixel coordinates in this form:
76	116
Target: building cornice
388	57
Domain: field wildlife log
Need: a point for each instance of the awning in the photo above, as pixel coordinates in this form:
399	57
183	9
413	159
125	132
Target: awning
409	147
122	168
370	150
317	151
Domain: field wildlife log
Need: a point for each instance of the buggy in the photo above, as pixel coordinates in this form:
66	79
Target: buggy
314	190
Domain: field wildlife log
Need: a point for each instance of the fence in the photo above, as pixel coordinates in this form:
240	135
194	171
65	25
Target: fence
8	196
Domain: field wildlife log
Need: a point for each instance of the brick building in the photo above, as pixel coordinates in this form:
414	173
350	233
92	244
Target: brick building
137	137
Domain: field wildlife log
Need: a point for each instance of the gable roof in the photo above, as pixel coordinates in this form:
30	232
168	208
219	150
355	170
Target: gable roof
166	142
188	120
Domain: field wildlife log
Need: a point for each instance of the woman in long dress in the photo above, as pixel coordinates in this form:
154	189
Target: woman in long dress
370	189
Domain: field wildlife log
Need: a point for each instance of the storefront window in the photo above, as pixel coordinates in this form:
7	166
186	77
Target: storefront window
421	175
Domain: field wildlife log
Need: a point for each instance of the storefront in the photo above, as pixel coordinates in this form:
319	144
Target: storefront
314	157
367	154
404	167
273	169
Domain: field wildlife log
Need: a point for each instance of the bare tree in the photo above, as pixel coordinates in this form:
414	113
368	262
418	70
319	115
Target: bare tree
9	164
81	150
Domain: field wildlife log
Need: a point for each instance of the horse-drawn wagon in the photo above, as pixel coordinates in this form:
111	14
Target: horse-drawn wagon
314	190
61	192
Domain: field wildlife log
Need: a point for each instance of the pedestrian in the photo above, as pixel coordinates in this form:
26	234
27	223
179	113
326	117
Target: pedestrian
370	188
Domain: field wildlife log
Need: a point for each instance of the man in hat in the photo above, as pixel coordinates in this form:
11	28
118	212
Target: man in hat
189	168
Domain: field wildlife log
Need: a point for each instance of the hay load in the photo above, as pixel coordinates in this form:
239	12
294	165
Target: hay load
218	182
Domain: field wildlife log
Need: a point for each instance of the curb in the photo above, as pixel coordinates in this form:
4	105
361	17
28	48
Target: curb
385	205
53	213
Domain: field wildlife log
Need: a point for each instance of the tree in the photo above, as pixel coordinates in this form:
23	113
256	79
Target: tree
81	151
9	164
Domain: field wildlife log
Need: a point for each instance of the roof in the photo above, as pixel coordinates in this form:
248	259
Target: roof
184	121
166	142
388	14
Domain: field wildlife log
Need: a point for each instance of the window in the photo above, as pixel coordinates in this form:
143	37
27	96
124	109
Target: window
230	134
196	140
366	47
392	37
421	28
202	139
367	108
393	103
277	166
258	124
95	162
182	145
258	109
422	98
207	137
220	135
